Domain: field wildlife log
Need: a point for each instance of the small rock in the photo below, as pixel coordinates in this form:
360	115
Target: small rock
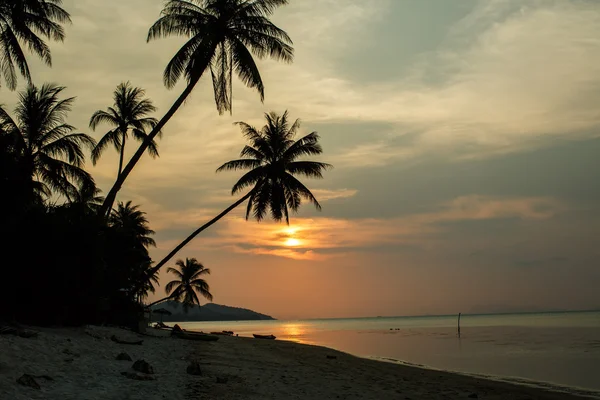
142	366
27	380
222	379
27	334
194	368
138	376
331	357
123	357
473	396
70	353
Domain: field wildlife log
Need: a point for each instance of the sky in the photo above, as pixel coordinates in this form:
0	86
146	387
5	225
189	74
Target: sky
465	137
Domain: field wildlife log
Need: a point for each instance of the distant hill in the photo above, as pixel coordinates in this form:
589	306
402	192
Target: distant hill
208	312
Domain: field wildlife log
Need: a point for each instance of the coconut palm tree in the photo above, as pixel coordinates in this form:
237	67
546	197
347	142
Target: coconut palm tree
272	158
145	282
130	220
88	199
129	113
22	22
187	284
49	154
223	36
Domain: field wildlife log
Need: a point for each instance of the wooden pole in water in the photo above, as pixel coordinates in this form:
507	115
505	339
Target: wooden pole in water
458	324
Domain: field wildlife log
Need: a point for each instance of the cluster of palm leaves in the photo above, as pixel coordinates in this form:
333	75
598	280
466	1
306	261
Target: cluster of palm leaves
45	155
24	21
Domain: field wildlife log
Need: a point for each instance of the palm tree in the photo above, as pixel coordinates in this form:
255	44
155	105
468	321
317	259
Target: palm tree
130	220
223	36
23	22
128	114
272	158
49	154
88	199
144	284
188	282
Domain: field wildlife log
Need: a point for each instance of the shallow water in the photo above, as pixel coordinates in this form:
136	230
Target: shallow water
557	348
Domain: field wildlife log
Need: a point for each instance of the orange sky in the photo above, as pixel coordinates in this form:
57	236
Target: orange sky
464	135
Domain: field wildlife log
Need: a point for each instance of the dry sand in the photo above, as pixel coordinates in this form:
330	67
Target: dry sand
84	367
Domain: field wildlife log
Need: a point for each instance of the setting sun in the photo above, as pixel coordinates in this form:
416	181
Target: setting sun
291	242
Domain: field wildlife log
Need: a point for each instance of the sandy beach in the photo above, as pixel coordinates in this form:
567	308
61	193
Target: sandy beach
81	364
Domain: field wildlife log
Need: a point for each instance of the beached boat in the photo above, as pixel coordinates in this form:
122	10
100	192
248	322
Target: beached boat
196	336
221	333
263	336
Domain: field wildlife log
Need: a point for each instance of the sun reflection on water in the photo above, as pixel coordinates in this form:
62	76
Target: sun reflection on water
294	332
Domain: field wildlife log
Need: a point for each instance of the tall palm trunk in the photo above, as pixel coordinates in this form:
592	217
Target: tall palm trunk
122	155
110	198
197	231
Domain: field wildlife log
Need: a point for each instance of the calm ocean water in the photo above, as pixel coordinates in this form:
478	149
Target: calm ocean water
547	349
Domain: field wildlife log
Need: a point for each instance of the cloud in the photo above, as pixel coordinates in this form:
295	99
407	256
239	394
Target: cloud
508	76
326	194
324	238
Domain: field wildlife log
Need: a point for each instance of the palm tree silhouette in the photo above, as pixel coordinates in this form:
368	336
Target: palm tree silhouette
128	114
145	282
131	220
272	158
20	20
88	199
224	35
46	149
188	282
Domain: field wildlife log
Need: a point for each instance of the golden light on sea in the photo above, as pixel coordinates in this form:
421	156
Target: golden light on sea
294	332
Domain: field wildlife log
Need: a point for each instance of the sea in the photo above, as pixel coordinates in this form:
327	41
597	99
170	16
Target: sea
556	350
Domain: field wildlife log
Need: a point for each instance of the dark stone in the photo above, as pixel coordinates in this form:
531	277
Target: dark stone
120	341
194	368
70	353
138	376
123	357
473	396
27	380
143	367
332	357
27	334
222	379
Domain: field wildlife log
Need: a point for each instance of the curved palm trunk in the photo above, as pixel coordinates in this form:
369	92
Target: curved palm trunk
110	198
159	301
197	231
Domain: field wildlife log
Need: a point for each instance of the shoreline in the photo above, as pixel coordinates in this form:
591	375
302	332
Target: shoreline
81	364
511	380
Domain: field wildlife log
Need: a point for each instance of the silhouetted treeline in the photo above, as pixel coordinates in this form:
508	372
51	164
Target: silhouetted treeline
62	263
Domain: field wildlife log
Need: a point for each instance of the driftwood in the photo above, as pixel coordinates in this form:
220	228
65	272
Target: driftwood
114	339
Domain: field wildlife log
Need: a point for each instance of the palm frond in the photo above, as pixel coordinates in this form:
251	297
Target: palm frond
310	169
239	164
248	179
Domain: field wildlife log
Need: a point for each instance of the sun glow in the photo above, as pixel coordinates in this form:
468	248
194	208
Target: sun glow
290	231
291	242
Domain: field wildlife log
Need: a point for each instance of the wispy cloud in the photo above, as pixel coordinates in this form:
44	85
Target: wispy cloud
306	238
509	75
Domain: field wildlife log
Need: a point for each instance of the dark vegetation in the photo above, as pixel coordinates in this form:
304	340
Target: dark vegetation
71	256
